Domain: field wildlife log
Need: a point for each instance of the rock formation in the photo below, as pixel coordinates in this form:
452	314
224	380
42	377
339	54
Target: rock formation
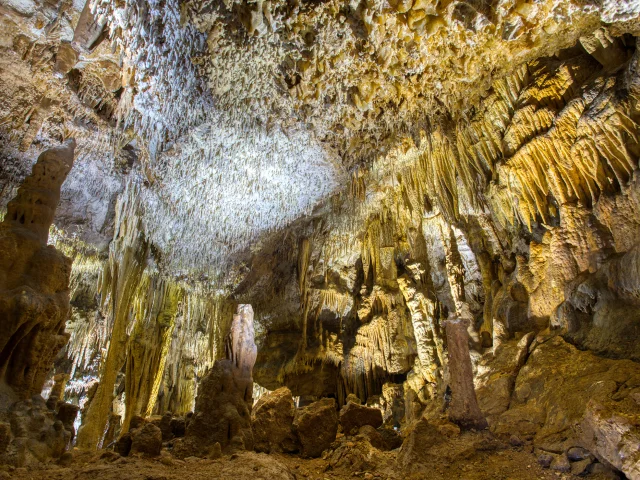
222	413
272	423
34	277
316	426
464	409
408	219
354	416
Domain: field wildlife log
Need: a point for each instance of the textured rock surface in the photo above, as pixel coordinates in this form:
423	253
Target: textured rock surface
222	412
316	426
146	439
464	409
34	277
359	173
272	422
353	416
32	434
565	398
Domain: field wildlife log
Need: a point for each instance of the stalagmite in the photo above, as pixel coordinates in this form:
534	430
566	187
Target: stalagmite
148	345
222	413
34	277
464	409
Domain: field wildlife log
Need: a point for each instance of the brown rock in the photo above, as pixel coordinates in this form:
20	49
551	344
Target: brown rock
147	440
221	413
316	426
216	451
123	444
419	439
5	436
178	426
464	409
354	416
392	439
561	464
578	402
272	422
34	277
372	436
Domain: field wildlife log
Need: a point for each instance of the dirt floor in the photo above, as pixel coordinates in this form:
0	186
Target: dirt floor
509	463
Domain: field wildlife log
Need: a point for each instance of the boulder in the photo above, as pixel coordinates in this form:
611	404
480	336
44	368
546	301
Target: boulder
178	426
164	424
373	436
123	445
354	416
564	397
316	426
272	423
147	440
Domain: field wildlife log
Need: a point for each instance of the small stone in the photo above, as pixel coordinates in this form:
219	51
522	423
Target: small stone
515	441
575	454
561	464
580	467
216	451
545	459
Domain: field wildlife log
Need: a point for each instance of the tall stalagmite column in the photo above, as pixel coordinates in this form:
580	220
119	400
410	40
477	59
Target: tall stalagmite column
34	277
120	279
464	409
223	406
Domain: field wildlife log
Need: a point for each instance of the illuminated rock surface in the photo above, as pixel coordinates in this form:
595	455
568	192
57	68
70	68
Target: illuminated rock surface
347	235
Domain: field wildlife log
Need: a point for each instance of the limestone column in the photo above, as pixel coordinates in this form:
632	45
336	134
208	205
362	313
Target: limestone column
148	346
122	274
34	277
242	351
464	409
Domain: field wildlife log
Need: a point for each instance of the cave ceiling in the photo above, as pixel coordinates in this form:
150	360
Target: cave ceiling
236	122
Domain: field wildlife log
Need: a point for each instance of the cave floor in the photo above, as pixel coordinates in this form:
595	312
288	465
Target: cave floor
510	463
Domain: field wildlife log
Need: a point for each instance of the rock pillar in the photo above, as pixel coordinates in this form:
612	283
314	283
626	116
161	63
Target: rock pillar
120	279
464	409
34	277
223	406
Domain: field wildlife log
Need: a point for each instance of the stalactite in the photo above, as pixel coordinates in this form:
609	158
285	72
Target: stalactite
155	308
120	279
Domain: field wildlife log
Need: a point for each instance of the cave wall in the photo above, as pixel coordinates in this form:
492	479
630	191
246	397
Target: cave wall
522	215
